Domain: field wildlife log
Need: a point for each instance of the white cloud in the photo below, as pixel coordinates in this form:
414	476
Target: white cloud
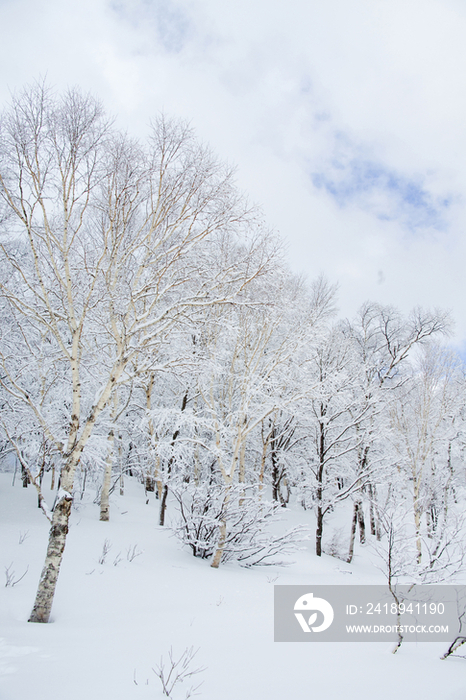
346	119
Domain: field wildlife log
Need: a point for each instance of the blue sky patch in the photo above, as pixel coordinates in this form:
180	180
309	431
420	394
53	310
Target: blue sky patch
352	178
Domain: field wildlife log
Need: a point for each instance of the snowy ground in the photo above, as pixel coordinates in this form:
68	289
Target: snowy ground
113	621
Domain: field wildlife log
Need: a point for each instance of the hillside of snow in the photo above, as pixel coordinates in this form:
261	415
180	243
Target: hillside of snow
112	622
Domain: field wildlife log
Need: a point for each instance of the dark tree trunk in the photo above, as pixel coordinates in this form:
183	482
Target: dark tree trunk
163	501
371	492
319	478
361	523
275	469
319	530
163	504
353	532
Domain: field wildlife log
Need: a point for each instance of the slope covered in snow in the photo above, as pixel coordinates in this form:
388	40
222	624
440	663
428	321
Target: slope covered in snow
113	621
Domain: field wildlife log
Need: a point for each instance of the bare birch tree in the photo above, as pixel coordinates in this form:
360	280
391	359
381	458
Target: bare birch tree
423	422
383	342
108	245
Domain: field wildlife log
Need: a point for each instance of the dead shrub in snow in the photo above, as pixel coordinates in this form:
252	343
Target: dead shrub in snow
245	518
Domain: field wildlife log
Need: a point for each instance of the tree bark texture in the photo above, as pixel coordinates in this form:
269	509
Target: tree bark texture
353	532
48	580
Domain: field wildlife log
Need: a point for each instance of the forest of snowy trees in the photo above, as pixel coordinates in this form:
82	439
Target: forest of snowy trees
151	329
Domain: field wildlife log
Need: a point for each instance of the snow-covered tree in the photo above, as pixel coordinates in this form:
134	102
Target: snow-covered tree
107	245
383	343
424	427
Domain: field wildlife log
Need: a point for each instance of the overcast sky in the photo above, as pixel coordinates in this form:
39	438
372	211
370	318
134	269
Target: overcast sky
346	118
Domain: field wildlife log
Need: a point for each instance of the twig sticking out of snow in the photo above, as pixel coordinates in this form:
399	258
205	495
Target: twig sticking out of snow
10	574
105	550
23	536
177	671
132	552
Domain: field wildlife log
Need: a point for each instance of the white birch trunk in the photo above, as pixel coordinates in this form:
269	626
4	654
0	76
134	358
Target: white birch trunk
48	580
107	480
